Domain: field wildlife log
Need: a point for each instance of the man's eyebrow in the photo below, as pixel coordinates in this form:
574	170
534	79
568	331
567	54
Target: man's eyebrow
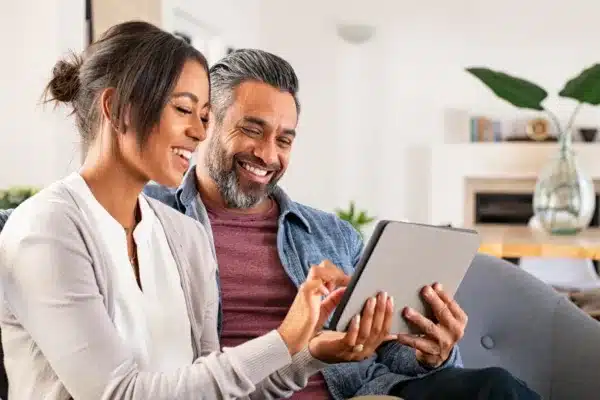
263	124
257	121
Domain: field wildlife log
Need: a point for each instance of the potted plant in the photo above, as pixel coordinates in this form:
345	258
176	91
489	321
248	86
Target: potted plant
358	219
564	197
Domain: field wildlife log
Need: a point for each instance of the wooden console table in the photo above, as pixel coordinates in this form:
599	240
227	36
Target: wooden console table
521	241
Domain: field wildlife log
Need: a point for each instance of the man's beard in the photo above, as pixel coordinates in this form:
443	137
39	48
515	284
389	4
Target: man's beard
223	171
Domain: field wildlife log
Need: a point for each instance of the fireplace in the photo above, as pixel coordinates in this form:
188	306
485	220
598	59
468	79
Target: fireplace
505	201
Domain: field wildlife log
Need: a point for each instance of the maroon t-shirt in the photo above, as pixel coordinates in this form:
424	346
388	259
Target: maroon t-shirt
256	290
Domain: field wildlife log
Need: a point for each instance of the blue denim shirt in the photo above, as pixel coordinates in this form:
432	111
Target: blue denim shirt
306	237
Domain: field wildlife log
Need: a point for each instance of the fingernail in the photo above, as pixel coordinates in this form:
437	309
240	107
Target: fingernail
357	320
437	286
408	312
373	301
428	291
392	301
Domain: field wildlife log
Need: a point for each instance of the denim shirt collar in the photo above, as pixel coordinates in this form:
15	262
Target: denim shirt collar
187	193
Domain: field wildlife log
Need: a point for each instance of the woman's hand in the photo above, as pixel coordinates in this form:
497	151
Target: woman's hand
364	335
309	310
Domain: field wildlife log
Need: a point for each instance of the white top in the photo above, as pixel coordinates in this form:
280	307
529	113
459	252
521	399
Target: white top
152	320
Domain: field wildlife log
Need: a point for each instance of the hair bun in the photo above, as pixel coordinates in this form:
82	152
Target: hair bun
65	83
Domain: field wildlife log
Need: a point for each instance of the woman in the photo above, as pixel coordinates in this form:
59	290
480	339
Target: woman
111	295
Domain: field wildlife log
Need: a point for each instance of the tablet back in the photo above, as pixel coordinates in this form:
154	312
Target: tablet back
400	259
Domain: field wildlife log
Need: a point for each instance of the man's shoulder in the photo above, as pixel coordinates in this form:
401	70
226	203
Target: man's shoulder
164	194
320	218
326	223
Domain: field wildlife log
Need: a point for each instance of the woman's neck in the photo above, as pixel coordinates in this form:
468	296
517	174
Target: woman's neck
114	188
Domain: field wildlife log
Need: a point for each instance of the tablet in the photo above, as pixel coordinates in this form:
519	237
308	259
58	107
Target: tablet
400	259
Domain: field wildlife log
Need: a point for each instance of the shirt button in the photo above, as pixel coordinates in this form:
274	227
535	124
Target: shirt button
487	342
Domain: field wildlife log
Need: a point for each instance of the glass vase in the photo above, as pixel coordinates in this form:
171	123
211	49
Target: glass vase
564	199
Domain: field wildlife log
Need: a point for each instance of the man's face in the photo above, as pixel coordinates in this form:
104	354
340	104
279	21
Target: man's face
249	151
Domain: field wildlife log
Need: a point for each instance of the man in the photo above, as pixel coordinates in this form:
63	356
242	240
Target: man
265	243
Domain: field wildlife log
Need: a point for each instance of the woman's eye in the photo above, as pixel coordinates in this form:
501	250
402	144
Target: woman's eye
183	110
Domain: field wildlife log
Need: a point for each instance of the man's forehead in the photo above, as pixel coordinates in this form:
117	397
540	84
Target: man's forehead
258	99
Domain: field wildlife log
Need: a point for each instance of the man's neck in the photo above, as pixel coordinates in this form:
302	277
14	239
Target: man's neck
211	195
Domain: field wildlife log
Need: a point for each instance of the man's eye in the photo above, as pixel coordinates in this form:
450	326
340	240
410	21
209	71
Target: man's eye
251	132
285	141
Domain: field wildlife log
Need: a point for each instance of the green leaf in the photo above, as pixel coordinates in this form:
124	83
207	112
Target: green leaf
517	91
342	214
585	87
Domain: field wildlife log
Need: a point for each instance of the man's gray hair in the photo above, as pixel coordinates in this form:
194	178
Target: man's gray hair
249	65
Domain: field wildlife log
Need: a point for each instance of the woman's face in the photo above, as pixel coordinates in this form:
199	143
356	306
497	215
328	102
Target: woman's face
166	155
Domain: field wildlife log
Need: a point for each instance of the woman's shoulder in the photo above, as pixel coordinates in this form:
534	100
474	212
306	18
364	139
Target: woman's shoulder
51	209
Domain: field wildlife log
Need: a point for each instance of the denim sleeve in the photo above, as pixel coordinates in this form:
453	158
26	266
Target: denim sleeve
399	358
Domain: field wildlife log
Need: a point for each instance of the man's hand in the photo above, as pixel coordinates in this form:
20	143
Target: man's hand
435	345
363	337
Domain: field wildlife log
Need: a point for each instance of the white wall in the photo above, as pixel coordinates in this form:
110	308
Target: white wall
37	145
372	112
236	22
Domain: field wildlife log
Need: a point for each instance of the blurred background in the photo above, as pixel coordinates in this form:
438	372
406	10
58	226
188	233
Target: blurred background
387	104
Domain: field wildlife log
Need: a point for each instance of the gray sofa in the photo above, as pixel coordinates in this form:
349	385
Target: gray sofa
519	323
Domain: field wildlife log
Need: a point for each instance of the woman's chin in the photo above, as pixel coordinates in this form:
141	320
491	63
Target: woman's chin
172	179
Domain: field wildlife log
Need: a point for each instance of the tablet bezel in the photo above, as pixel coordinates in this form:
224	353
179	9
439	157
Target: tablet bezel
360	266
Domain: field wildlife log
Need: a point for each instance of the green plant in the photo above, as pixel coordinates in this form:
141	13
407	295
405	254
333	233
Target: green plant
358	219
584	88
12	197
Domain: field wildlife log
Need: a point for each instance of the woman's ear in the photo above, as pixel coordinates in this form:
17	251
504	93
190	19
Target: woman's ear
127	118
106	101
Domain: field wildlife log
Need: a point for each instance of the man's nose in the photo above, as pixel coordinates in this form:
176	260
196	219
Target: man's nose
266	150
